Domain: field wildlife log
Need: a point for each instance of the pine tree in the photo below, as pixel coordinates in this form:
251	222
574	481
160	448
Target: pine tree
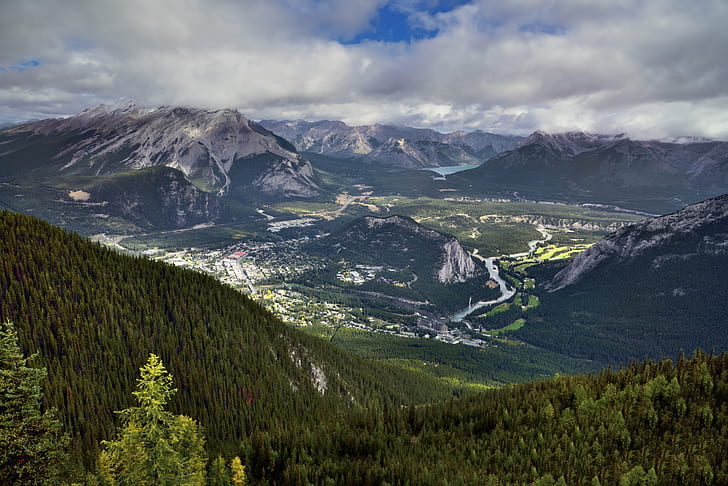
154	447
32	444
238	472
219	473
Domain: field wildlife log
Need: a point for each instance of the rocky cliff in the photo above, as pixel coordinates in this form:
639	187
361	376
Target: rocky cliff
699	229
154	198
205	145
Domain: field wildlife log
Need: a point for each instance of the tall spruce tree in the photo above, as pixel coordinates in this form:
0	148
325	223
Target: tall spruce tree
154	447
32	444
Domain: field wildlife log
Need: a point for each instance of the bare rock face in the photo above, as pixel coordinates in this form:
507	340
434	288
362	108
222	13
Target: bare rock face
457	265
699	229
203	144
288	177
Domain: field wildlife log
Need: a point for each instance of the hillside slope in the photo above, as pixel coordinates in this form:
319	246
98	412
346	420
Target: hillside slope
651	423
651	288
403	243
94	316
648	175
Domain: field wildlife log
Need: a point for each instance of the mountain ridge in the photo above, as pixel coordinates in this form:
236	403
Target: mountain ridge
396	237
205	145
652	288
692	228
336	138
648	175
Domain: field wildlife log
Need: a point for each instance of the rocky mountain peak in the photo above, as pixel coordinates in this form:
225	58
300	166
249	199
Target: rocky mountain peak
700	228
203	144
570	143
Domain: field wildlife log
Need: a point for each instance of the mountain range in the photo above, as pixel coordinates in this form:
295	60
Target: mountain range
298	410
396	146
138	169
649	175
210	148
224	159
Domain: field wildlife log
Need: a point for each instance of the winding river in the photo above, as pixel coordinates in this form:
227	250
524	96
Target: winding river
506	292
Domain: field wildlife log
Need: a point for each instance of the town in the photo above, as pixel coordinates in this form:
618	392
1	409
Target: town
264	270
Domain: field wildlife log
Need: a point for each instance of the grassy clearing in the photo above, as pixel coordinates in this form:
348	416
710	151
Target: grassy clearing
513	326
553	252
533	302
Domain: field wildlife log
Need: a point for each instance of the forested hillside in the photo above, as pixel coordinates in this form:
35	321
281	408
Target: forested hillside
93	316
297	410
652	288
651	423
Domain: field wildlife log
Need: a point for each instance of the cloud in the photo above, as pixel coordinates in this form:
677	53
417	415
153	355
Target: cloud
654	67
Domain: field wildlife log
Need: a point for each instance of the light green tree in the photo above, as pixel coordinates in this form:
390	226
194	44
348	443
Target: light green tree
238	470
154	447
32	443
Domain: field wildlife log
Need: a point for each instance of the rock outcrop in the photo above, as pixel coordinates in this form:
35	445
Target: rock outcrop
699	229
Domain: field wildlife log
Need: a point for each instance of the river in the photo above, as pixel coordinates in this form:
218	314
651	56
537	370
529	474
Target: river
490	265
506	292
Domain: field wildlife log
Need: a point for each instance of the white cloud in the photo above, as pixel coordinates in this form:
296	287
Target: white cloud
653	68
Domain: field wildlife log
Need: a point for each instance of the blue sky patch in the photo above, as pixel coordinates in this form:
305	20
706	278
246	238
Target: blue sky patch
393	25
22	66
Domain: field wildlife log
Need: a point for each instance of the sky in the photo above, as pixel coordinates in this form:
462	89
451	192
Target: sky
647	68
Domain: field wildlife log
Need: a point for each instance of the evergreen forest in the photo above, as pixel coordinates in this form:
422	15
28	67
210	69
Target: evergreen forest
242	398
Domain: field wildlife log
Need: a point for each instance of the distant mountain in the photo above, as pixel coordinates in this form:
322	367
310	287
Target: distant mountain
138	169
404	147
419	154
211	148
654	287
651	174
401	242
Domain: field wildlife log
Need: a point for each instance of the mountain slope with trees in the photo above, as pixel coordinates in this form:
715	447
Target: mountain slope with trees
93	316
648	424
647	175
652	288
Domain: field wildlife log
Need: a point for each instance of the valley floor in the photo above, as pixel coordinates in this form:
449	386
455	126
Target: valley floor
268	263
